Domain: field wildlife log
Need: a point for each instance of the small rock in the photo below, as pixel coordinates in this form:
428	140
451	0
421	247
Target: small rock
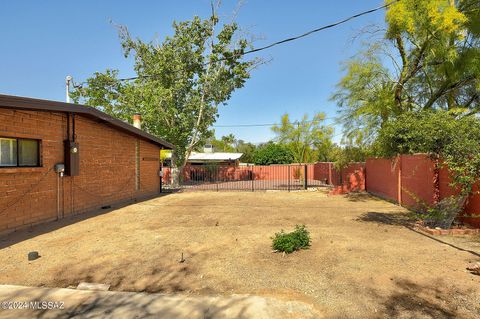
33	255
474	268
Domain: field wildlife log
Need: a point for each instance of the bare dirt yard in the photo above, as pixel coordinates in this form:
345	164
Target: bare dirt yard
364	261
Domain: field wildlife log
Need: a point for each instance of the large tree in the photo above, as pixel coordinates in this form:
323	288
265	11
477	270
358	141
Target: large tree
304	138
271	153
180	82
428	58
247	149
225	144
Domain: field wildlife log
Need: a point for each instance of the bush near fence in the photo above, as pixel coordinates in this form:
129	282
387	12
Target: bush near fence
409	180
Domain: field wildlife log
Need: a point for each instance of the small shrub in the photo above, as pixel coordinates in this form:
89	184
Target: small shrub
443	213
290	242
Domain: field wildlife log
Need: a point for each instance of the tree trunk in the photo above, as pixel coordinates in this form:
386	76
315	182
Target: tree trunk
176	172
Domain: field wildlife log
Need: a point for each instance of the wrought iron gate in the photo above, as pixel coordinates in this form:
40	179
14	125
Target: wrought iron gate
246	178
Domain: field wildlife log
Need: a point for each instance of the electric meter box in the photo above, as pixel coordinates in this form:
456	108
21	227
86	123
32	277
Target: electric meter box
72	160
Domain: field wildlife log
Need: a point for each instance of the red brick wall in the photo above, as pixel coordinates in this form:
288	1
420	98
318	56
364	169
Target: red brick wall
107	169
472	207
382	177
323	172
346	180
415	174
417	180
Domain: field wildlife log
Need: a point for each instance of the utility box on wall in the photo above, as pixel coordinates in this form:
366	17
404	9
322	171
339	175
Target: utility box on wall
72	160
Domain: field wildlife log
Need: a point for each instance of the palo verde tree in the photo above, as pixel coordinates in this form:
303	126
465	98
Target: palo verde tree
180	82
428	58
304	138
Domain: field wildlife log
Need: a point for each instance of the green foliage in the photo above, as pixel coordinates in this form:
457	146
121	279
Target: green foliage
230	144
272	153
414	16
221	146
182	81
224	144
164	154
342	156
304	138
229	140
428	59
443	213
452	138
248	150
365	97
440	214
290	242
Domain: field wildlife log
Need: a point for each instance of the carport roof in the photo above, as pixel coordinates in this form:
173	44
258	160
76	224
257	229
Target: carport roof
31	104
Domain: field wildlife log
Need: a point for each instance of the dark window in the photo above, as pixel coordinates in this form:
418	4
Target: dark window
18	152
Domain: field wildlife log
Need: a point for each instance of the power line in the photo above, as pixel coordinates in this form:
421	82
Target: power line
272	124
321	28
329	26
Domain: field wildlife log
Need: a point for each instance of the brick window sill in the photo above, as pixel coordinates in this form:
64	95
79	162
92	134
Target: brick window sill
14	170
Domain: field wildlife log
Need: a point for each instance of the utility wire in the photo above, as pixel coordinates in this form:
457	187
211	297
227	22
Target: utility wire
329	26
272	124
321	28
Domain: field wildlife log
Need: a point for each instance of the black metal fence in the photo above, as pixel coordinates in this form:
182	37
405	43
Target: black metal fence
245	178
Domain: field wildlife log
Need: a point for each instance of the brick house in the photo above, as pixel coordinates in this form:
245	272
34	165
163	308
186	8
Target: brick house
105	161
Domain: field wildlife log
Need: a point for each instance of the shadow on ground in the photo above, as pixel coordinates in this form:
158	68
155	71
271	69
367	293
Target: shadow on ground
407	220
91	304
47	227
393	218
163	274
360	197
439	300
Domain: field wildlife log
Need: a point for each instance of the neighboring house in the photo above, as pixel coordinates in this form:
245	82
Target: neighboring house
59	159
210	157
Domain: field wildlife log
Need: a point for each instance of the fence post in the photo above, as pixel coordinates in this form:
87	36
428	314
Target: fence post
288	177
161	179
329	174
252	178
399	180
305	176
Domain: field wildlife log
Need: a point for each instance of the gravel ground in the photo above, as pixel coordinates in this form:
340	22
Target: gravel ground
363	262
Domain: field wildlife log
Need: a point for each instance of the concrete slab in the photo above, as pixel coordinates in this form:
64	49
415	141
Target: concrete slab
45	303
93	286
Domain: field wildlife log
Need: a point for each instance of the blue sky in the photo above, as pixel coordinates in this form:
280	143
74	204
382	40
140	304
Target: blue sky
43	41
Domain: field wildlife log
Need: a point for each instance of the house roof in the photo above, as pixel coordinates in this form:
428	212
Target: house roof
30	104
214	156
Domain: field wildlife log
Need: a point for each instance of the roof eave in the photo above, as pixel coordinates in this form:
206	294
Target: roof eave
31	104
